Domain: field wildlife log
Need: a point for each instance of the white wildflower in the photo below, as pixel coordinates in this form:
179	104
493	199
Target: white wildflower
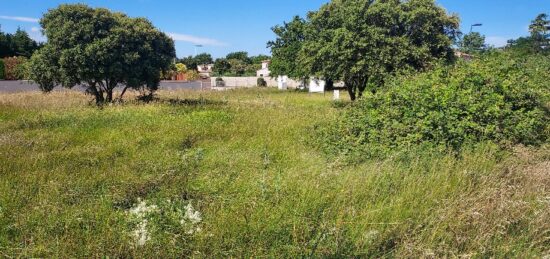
191	219
140	213
141	235
141	209
193	215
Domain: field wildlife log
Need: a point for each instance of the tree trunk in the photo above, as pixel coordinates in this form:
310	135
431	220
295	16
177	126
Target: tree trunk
109	96
92	89
351	91
123	92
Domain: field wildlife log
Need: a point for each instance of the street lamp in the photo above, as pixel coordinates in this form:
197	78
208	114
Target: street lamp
197	46
475	25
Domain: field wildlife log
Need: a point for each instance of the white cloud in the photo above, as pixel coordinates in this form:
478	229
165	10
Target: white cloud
36	34
496	41
196	40
19	18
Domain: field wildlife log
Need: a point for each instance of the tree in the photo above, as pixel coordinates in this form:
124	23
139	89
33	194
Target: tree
4	45
22	44
240	55
17	44
259	59
221	66
286	48
100	50
361	42
238	67
473	43
204	59
539	29
193	62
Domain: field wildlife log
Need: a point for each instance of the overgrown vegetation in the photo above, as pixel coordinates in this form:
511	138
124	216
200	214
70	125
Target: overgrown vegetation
497	98
232	174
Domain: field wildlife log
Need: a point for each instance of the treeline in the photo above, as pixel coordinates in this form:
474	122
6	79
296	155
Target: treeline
17	44
15	49
233	64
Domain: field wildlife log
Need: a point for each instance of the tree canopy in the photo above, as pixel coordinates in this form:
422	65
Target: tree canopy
192	62
285	49
473	43
362	41
100	50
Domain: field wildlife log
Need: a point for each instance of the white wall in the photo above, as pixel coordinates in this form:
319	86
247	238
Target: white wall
252	82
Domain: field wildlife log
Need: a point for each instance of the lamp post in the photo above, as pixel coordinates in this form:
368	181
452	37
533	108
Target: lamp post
475	25
197	46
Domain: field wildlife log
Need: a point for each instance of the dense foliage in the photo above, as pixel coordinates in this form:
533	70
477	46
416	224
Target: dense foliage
15	68
101	50
497	98
285	49
17	44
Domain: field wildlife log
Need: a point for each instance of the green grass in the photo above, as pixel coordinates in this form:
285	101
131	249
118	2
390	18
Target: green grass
70	172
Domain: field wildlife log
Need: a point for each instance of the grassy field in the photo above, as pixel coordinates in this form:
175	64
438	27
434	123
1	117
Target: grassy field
237	174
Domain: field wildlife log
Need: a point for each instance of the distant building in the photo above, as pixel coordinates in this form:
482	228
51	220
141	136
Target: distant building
264	72
205	70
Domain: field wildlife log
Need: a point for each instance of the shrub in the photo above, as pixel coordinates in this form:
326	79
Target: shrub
494	99
15	68
220	82
192	75
261	82
1	69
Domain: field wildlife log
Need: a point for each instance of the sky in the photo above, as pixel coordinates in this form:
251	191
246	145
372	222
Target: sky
224	26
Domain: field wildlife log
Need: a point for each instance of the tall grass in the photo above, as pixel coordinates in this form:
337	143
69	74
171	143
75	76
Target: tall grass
70	172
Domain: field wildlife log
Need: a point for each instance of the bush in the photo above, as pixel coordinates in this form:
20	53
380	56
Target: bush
1	69
15	68
192	75
496	99
220	82
261	82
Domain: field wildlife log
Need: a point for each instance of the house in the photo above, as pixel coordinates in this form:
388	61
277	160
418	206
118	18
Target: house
264	72
205	70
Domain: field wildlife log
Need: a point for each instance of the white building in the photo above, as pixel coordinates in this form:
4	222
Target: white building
205	70
264	72
317	85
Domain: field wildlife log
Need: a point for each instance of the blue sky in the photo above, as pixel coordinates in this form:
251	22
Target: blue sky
223	26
